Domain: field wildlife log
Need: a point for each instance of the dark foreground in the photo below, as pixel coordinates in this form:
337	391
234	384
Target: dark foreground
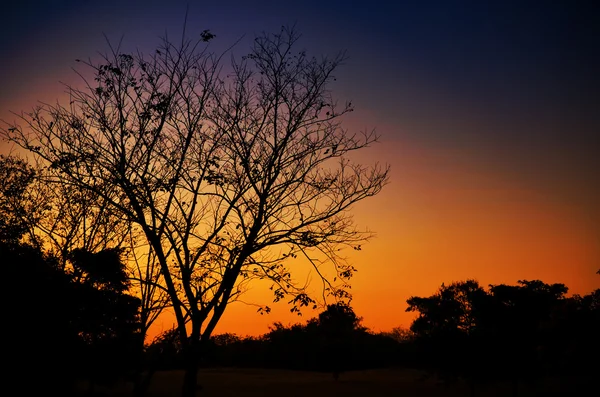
236	382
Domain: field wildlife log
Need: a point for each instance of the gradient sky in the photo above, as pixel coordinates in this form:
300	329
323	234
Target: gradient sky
489	114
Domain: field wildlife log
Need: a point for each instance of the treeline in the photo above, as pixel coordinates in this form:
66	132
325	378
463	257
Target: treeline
77	320
505	332
333	342
72	314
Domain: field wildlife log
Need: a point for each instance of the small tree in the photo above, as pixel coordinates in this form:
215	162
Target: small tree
400	334
447	328
338	324
227	177
507	331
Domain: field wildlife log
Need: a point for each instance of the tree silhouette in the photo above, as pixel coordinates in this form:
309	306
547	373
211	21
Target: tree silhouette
40	314
400	334
517	332
70	325
448	328
338	325
228	178
18	211
329	342
106	315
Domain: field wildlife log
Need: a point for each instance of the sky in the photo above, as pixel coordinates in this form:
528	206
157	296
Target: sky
489	116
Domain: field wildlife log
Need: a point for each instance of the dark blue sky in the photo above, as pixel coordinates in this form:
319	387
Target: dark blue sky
510	84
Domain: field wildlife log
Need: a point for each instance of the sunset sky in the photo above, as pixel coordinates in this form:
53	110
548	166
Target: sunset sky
489	115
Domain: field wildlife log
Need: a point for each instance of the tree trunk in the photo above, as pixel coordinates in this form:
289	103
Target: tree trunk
190	380
192	364
472	387
142	381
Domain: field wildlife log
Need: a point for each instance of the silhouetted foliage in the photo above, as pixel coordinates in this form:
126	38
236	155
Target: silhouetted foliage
339	328
102	270
518	332
335	345
107	317
16	207
68	327
39	316
165	352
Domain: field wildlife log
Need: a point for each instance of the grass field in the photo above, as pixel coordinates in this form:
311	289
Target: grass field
236	382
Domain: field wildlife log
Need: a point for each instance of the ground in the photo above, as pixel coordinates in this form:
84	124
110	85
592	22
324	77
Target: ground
237	382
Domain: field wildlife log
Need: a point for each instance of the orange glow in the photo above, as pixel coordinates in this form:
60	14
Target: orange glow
439	222
444	217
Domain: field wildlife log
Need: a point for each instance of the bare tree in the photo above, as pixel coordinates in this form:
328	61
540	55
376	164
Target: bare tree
227	176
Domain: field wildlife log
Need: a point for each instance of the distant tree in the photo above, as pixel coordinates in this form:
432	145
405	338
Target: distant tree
164	351
522	318
573	345
452	309
225	339
339	319
448	326
223	349
400	334
226	177
509	331
338	325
